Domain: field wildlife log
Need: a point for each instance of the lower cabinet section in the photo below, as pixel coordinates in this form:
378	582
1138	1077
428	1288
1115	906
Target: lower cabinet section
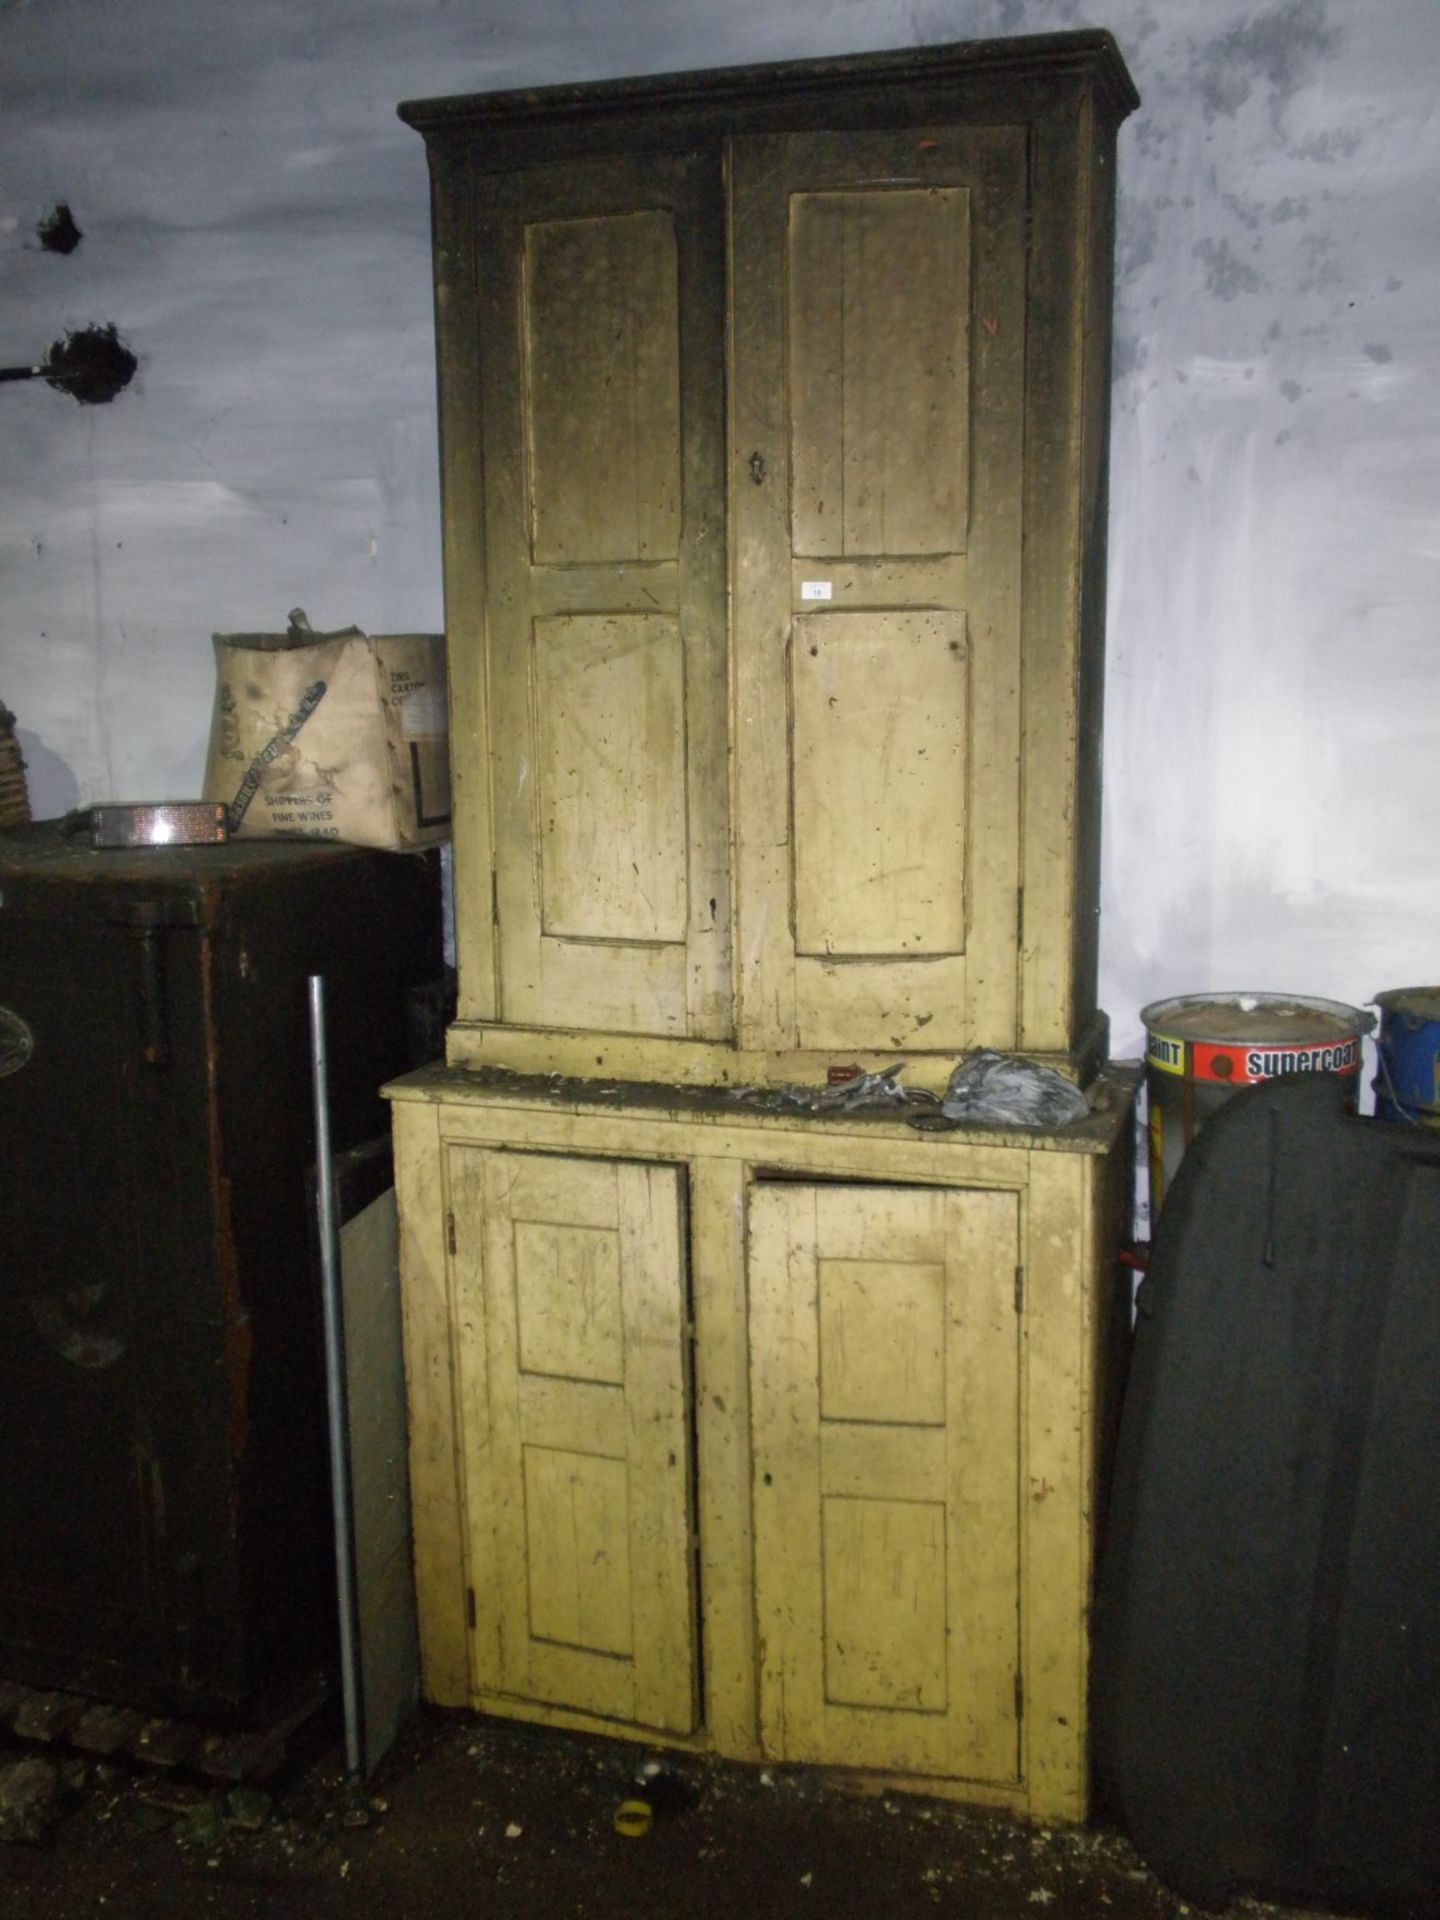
767	1435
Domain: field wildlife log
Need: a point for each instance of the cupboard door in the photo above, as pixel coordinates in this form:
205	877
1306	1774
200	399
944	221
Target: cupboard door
573	1359
885	1408
602	410
878	364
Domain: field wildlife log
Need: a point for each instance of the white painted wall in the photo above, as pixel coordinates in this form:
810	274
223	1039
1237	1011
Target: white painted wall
256	226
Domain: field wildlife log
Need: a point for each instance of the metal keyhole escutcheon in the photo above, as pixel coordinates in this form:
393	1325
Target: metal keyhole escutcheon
757	469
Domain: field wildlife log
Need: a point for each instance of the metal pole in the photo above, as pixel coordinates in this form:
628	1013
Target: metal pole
335	1379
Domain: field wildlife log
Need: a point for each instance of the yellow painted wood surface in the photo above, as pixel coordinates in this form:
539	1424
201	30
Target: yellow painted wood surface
879	785
717	1190
604	599
439	1498
610	733
878	357
602	373
879	320
885	1336
572	1344
884	1321
1064	1293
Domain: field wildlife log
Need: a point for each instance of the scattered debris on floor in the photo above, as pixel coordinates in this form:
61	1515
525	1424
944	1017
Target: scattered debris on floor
474	1816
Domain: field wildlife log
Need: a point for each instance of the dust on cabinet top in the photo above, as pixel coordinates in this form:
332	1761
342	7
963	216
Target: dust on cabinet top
1111	1095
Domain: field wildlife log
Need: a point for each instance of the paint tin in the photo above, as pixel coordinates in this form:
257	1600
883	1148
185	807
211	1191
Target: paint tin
1407	1086
1202	1048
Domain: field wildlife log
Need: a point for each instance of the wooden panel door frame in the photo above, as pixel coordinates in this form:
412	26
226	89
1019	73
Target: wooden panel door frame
940	1483
525	1420
679	988
786	1000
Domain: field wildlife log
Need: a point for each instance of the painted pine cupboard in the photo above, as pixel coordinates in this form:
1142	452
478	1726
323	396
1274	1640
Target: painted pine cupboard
774	417
772	1438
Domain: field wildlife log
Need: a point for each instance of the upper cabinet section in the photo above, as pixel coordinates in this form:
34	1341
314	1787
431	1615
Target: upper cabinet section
774	413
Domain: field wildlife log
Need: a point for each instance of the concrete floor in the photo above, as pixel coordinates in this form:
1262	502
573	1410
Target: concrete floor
476	1818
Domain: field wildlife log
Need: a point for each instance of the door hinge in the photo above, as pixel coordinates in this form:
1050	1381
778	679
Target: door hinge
1019	1695
450	1232
495	896
1019	1285
1020	920
470	1607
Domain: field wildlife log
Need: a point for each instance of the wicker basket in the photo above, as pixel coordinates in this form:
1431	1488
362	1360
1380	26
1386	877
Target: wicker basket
14	800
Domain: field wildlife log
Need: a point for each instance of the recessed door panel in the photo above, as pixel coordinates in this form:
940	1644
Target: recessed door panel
885	1604
879	302
577	1549
610	727
602	381
880	784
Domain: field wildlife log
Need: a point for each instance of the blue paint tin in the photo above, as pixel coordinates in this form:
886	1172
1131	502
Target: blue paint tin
1407	1085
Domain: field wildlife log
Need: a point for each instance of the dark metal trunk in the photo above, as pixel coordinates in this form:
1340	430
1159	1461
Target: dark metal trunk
163	1505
